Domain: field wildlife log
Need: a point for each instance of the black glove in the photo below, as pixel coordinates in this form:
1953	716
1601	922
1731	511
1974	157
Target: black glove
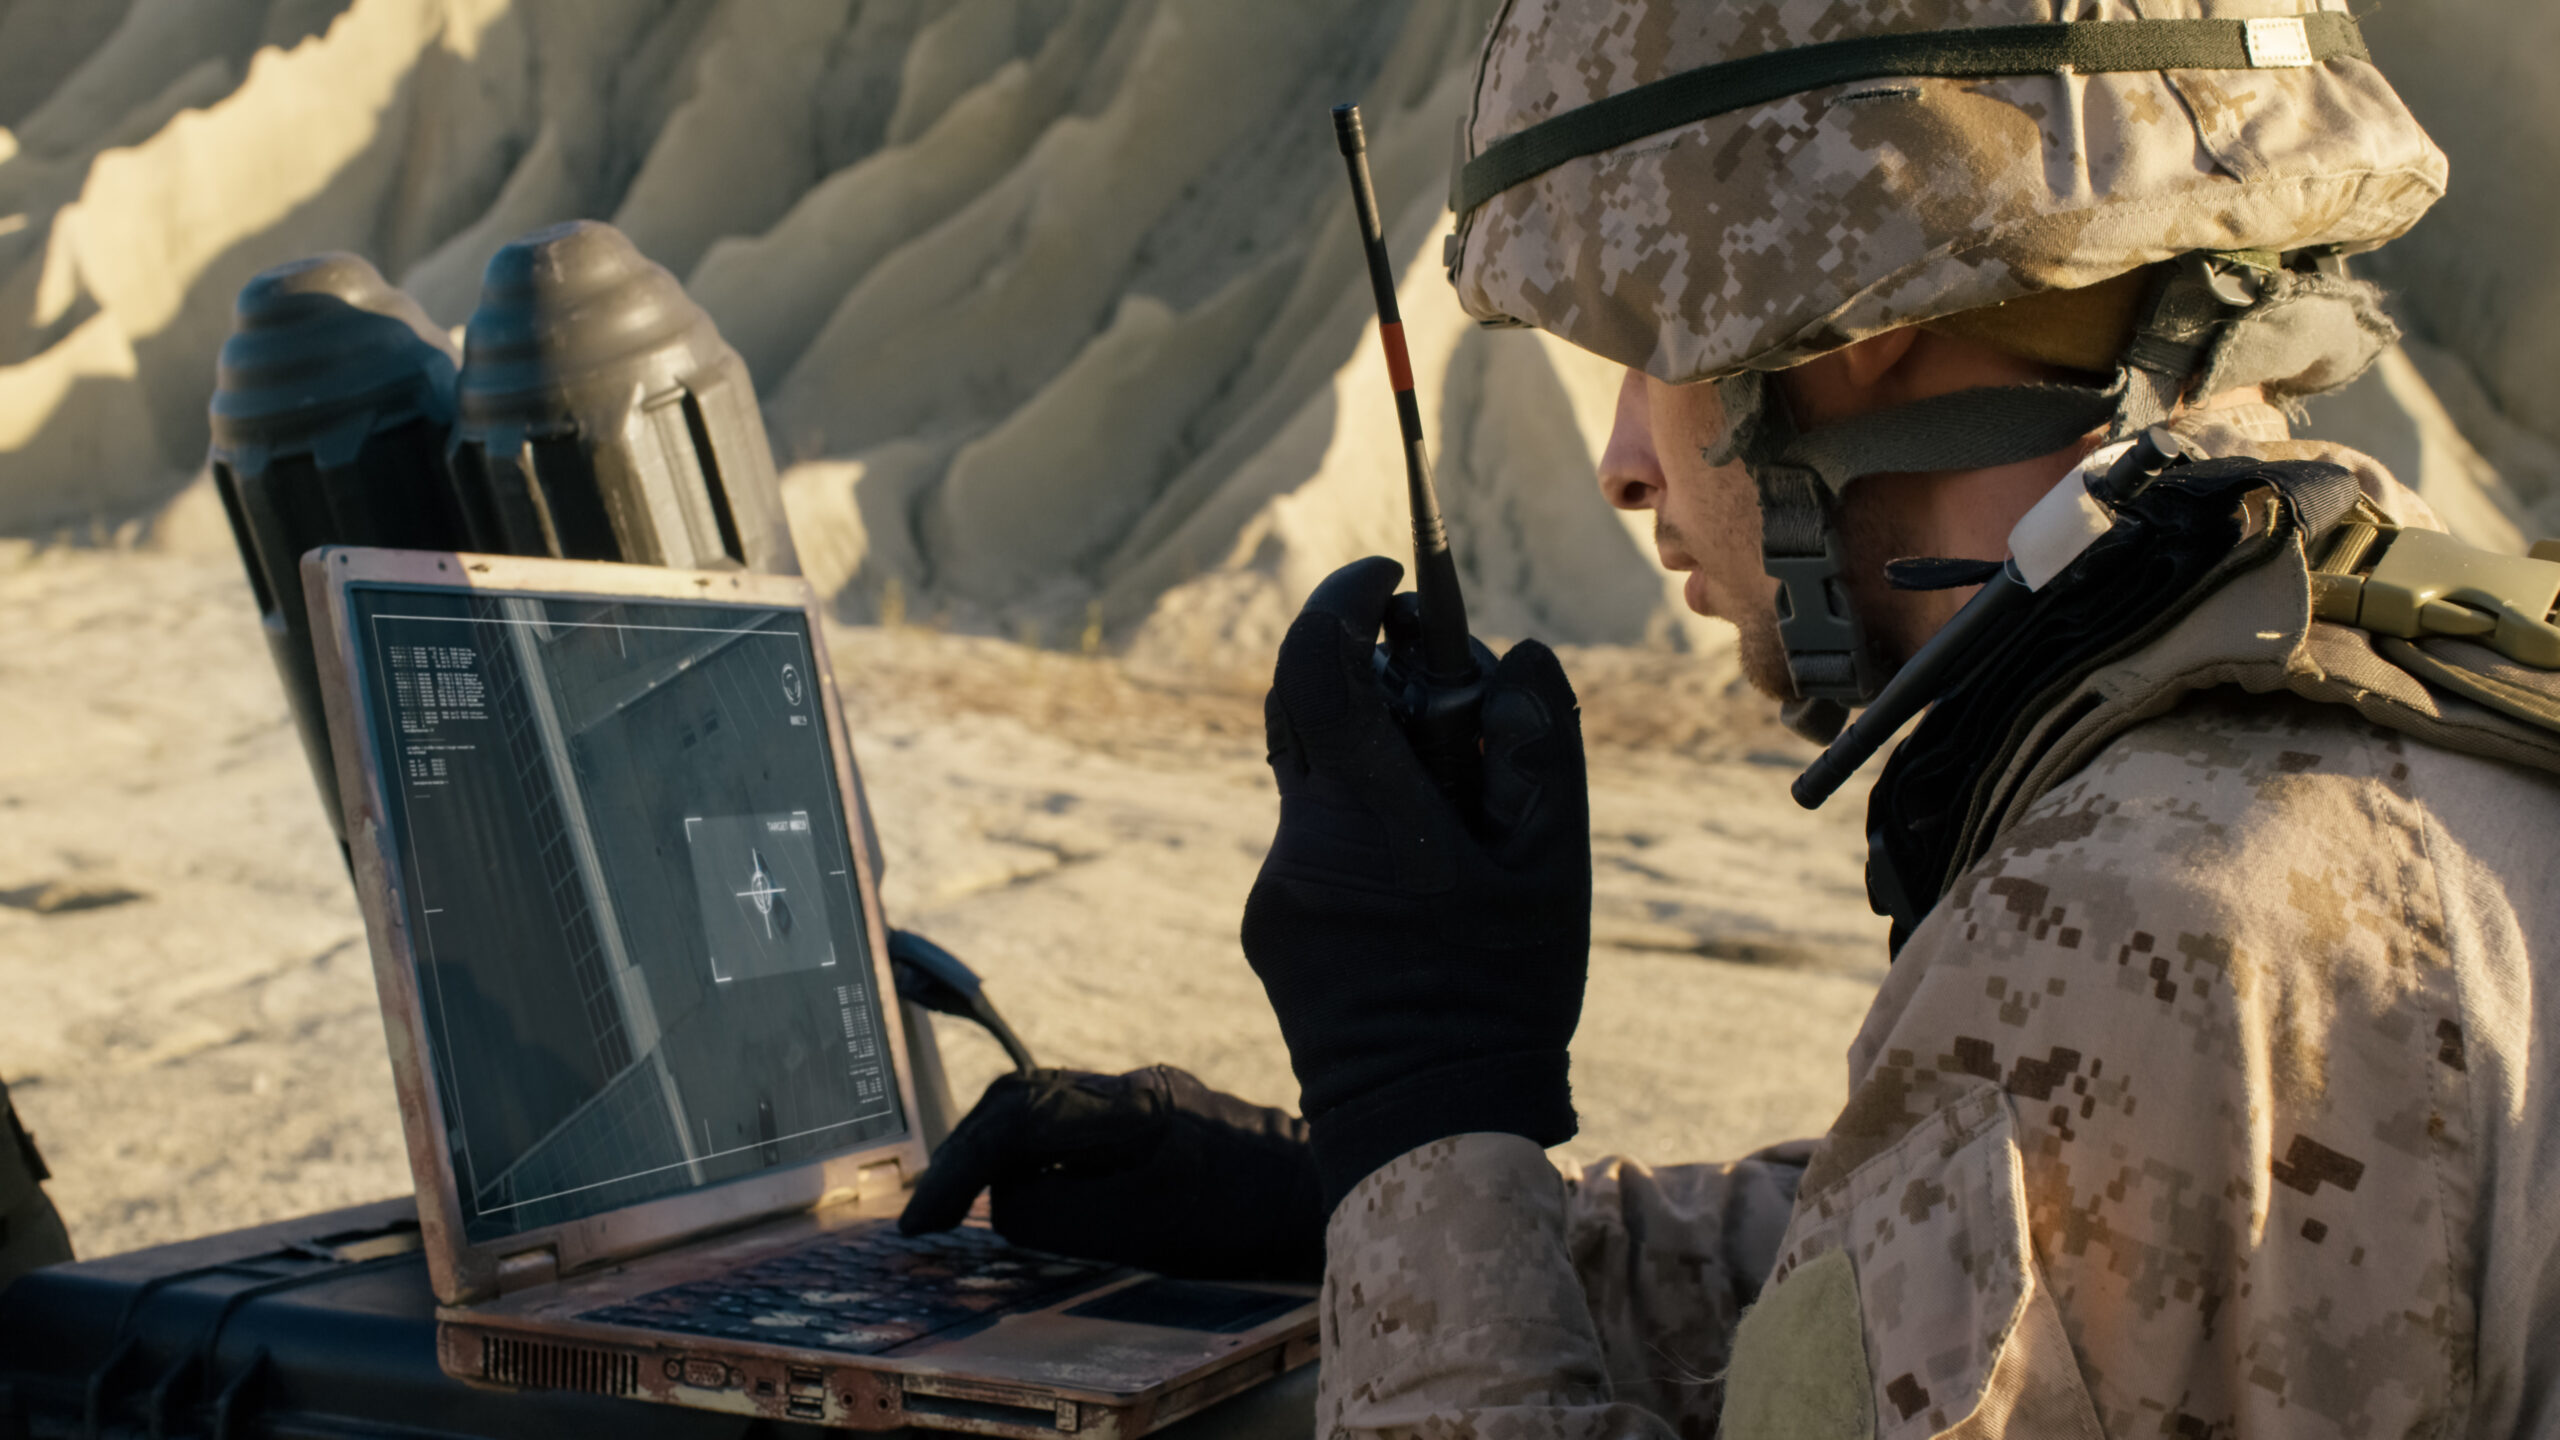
1151	1168
1427	965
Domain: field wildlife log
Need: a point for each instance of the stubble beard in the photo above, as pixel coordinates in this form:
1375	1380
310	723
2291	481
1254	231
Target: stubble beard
1760	651
1764	657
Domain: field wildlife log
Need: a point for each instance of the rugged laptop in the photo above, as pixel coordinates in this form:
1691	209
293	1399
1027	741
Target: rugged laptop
635	984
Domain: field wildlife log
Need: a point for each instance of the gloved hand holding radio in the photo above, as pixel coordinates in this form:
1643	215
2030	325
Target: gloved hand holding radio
1151	1168
1426	964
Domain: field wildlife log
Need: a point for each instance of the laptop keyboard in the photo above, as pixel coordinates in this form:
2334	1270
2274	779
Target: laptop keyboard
862	1293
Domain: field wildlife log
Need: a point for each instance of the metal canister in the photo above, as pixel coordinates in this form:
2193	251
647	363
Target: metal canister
331	407
602	417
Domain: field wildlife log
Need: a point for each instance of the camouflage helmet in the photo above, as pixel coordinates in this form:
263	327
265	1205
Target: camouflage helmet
1895	161
1715	191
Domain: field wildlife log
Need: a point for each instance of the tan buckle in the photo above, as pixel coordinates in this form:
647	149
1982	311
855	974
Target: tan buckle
2429	583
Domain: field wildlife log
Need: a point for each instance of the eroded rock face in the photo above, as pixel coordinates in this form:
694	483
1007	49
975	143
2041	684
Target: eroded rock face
2477	273
1053	303
1057	301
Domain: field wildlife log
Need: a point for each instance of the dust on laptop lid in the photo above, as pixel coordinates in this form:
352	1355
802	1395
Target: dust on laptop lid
632	965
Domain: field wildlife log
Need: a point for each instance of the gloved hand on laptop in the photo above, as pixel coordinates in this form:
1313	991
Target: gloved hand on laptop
1427	966
1151	1168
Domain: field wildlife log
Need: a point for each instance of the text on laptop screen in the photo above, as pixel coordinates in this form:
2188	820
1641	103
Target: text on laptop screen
623	859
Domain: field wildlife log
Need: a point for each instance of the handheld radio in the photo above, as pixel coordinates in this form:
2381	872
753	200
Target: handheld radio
1433	672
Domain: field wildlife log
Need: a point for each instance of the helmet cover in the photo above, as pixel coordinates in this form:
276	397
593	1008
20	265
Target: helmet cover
1761	237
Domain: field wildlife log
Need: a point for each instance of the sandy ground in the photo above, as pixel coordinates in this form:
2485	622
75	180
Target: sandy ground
190	1025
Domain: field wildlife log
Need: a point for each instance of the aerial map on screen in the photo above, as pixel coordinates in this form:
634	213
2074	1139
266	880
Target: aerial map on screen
623	859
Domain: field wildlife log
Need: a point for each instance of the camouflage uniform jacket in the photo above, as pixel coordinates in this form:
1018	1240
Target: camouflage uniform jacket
2206	1104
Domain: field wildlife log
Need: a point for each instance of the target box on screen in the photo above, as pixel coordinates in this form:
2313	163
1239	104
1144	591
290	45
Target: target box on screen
757	877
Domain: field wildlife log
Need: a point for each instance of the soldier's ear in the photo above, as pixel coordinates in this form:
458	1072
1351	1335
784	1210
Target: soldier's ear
1850	381
1870	360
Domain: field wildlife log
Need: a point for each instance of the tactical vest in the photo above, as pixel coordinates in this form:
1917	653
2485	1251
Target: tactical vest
2283	574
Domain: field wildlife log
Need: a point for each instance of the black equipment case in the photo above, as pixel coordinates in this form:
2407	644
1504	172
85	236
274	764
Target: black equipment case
322	1328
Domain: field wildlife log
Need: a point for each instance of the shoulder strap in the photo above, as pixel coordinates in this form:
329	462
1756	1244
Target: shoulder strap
2182	534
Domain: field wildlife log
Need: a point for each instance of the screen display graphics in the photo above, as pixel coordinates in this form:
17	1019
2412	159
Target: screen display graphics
641	957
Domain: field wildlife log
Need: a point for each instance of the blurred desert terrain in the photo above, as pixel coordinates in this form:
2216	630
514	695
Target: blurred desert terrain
1060	332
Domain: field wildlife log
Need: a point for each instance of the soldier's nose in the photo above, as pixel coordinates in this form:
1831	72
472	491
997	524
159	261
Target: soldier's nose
1630	471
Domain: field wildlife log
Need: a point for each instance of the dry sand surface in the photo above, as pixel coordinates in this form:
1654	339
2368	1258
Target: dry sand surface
191	1028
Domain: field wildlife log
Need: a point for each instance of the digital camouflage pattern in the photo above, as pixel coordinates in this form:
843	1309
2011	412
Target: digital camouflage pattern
1472	1291
2208	1104
1764	237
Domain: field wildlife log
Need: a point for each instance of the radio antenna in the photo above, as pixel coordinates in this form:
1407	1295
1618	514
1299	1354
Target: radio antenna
1447	655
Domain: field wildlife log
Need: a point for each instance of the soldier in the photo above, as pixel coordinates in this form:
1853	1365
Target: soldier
2202	1098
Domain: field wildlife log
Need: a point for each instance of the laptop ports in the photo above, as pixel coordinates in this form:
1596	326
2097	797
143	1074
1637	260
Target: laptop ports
805	1392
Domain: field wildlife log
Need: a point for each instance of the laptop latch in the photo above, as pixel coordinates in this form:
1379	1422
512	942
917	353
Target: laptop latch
528	1268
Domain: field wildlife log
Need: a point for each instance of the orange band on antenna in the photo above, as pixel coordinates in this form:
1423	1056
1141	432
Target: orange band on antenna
1399	365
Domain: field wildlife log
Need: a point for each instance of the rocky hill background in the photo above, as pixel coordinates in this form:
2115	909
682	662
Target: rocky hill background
1053	304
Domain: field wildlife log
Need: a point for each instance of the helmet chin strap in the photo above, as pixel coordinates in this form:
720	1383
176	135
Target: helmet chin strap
2203	317
1800	476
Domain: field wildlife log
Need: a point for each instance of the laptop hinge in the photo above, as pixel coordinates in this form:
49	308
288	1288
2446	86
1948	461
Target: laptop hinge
528	1268
885	1177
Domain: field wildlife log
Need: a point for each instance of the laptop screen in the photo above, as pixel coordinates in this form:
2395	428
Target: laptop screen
641	955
